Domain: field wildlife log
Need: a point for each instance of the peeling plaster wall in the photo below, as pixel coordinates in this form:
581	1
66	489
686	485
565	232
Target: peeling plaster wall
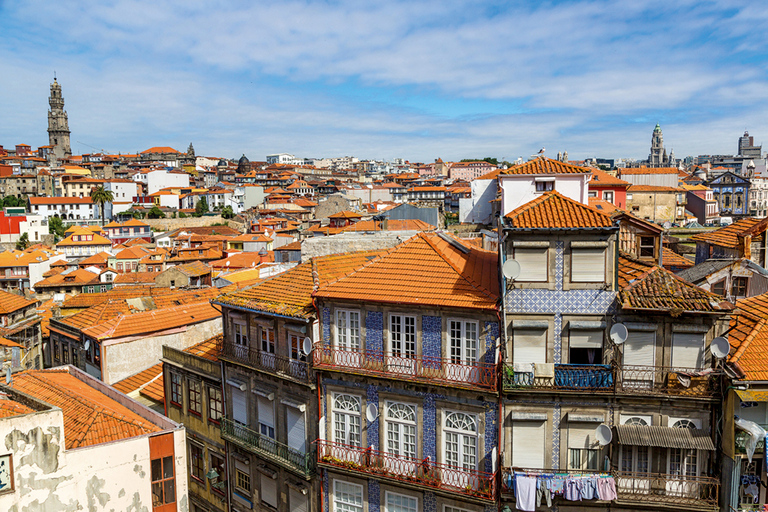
122	360
101	478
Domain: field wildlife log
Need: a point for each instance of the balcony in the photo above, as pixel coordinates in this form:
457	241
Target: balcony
692	492
420	472
268	362
636	380
290	458
508	474
433	370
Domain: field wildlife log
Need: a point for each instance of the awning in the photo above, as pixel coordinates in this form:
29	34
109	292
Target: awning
750	395
664	437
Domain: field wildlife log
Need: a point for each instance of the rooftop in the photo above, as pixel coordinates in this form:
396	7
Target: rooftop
555	211
543	165
729	236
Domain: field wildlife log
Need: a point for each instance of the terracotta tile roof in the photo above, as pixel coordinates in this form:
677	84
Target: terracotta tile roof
293	246
542	165
660	290
346	214
603	206
748	336
649	170
153	321
428	269
670	258
4	342
553	210
392	225
326	230
601	178
131	253
100	258
97	240
60	200
90	417
729	235
141	381
78	277
97	314
240	260
10	408
194	269
10	302
159	149
208	349
86	300
652	188
181	297
249	274
290	293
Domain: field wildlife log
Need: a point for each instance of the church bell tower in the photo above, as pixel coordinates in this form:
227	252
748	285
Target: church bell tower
58	126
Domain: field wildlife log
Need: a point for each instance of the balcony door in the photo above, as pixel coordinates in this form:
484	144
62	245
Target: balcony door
297	433
463	341
639	360
401	359
347	427
401	438
348	339
683	466
460	432
240	335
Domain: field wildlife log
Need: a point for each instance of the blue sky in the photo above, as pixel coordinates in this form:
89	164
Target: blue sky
418	80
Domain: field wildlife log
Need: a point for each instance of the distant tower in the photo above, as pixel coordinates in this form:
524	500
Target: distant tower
658	156
58	126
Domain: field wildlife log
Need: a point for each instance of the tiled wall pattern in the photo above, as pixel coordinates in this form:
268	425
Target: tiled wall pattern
431	336
327	326
556	419
491	433
559	264
491	337
374	331
430	502
374	496
429	428
325	491
558	338
372	397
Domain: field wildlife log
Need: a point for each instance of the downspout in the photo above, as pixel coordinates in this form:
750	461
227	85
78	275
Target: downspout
502	347
226	444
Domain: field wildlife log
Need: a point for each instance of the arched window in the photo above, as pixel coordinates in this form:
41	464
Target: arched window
634	420
684	424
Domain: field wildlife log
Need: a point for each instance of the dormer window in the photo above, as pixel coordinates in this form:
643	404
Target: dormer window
646	246
545	184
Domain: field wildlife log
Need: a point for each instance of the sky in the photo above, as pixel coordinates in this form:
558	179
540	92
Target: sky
411	79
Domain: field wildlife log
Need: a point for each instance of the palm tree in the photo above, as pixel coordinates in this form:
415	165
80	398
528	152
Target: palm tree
101	195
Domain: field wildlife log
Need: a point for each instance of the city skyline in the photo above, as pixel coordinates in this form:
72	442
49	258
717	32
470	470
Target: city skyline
417	81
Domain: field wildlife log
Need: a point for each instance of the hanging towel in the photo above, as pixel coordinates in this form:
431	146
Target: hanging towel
525	493
544	370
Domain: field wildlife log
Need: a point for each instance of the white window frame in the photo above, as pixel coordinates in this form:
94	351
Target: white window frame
348	417
388	494
348	507
402	339
463	354
347	338
525	273
585	252
240	332
401	430
462	436
634	419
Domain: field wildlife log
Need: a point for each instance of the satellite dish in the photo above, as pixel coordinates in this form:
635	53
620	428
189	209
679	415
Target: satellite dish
8	377
306	346
720	347
619	333
371	412
603	434
87	345
511	269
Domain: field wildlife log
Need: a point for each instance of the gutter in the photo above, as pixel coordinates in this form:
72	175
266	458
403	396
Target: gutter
261	312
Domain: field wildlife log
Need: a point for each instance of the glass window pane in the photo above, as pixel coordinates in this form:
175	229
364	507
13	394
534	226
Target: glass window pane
168	467
170	491
156	470
157	494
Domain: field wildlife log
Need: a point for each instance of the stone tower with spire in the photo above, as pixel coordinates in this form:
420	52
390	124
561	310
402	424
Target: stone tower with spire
58	126
658	156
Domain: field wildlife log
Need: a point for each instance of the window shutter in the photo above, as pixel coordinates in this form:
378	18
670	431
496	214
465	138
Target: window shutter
297	502
588	265
533	263
528	439
269	491
530	346
239	406
297	438
687	350
581	434
266	412
640	348
586	339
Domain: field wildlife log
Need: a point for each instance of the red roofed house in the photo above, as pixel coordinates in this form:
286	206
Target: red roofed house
122	232
608	188
67	208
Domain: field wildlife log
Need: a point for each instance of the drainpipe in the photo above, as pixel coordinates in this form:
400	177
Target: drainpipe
226	444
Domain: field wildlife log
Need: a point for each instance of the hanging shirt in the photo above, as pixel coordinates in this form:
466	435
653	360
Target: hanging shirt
588	488
572	490
606	488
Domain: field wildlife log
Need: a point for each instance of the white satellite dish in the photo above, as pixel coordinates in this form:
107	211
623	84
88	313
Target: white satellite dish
603	434
87	345
720	347
371	413
511	269
619	333
306	346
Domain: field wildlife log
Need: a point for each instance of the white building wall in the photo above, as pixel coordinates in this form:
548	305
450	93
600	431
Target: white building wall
37	269
477	209
516	190
169	201
35	226
157	180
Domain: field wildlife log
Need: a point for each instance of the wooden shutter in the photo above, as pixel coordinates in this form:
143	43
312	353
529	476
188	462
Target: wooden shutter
239	406
528	438
588	265
269	490
297	502
297	437
533	263
529	346
640	348
687	350
586	339
266	412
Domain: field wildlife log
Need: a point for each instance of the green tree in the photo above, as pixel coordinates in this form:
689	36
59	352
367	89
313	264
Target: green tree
23	242
227	213
182	215
100	195
56	228
201	207
155	213
11	201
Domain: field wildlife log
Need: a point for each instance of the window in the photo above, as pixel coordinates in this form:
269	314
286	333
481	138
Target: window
646	246
529	346
460	431
266	417
545	186
195	397
348	330
215	409
218	465
528	443
402	344
592	193
65	353
347	497
163	482
534	263
463	342
242	477
586	347
297	353
739	287
588	264
401	430
268	340
346	420
635	420
684	424
583	451
687	350
6	473
608	196
400	503
268	491
196	462
635	459
718	288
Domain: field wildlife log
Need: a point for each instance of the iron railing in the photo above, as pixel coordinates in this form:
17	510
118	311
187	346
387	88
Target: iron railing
508	474
267	361
291	458
665	380
445	371
424	472
576	377
691	491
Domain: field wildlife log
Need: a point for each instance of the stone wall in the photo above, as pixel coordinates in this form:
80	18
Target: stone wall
350	242
169	224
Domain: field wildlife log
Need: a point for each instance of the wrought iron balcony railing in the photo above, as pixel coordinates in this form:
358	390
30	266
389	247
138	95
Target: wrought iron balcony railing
267	361
290	458
665	380
508	474
700	492
576	377
444	371
381	465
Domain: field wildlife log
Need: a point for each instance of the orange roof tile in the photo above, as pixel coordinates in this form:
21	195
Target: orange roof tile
553	210
99	258
601	178
670	258
729	235
392	225
346	214
10	302
748	336
97	314
542	165
159	149
136	278
428	269
194	269
75	278
131	253
139	380
90	416
10	408
652	188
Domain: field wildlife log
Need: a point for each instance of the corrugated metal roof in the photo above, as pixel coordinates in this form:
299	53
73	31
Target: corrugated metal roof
664	437
750	395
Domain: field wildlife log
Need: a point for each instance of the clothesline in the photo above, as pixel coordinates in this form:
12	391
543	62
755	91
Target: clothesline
532	488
